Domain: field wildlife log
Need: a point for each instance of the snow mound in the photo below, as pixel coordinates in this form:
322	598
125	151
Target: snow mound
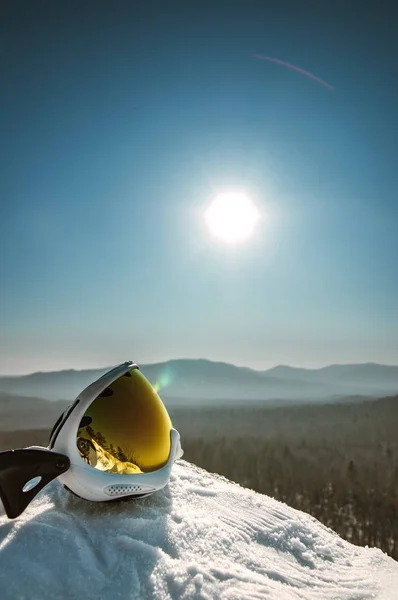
202	537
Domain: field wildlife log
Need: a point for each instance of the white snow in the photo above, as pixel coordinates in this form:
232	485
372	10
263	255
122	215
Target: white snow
202	537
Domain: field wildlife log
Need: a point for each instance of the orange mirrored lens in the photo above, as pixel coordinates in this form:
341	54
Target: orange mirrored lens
126	429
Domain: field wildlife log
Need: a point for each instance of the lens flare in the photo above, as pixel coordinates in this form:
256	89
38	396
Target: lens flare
164	380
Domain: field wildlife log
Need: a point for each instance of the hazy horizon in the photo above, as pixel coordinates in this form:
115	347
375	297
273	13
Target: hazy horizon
96	367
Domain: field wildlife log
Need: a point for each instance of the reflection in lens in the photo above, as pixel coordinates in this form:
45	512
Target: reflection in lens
126	429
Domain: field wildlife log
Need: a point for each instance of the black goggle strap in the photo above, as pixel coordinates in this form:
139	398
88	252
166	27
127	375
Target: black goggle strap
24	473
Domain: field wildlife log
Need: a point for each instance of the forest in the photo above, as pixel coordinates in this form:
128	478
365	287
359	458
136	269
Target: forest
337	461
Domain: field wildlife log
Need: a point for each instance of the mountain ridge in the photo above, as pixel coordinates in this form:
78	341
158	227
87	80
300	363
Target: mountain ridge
211	380
206	360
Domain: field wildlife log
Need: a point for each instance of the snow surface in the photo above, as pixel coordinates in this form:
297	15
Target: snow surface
201	537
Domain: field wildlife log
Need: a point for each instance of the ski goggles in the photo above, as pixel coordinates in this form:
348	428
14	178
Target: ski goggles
115	441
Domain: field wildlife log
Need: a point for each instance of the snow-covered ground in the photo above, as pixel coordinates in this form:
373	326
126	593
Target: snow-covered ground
202	537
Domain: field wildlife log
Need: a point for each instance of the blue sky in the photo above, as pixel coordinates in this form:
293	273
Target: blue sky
118	124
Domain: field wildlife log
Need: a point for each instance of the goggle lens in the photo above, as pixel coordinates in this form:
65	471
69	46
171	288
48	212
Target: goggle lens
126	429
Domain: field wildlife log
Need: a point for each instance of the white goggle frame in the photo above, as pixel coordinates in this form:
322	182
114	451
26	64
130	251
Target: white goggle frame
90	483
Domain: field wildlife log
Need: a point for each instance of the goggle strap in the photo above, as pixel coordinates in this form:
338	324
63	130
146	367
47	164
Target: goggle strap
20	467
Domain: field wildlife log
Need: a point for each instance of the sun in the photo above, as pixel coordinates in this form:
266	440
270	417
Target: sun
232	217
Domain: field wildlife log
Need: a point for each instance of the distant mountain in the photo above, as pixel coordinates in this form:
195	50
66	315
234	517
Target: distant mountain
361	375
52	385
206	381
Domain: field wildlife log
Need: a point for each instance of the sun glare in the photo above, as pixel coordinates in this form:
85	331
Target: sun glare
232	217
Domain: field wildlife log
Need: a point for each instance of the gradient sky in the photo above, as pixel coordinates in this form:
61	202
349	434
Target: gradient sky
119	121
